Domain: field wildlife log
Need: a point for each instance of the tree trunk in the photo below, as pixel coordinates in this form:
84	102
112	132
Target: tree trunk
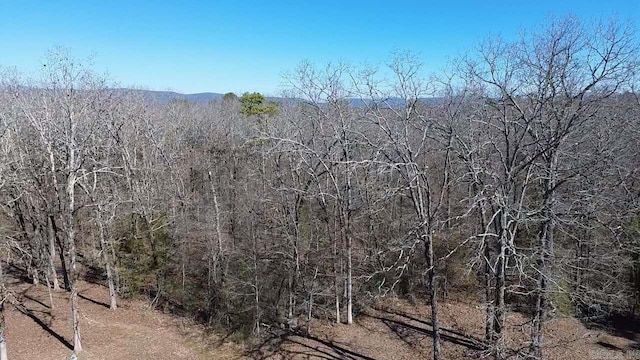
3	340
71	242
77	345
486	268
256	279
499	307
291	301
217	256
546	252
432	293
488	296
53	231
63	260
336	278
348	239
217	216
113	299
52	255
349	283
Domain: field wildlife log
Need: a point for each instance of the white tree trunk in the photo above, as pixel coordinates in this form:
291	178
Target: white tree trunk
349	246
3	341
52	255
71	234
349	284
113	297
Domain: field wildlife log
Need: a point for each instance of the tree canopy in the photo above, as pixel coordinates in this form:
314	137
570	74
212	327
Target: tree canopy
255	104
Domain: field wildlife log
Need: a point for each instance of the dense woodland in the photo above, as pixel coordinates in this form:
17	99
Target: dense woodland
511	178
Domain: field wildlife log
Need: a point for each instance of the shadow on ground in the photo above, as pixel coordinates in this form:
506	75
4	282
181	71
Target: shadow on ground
308	346
406	327
617	324
410	329
44	324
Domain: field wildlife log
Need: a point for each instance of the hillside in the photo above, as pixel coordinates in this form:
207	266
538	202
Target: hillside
133	331
394	330
398	330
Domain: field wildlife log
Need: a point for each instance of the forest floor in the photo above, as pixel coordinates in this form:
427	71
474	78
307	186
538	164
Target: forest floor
393	330
398	330
36	331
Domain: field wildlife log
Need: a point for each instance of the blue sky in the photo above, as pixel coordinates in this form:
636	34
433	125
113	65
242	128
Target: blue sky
198	46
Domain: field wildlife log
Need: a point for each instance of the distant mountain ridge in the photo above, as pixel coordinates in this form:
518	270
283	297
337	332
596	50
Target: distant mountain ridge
164	97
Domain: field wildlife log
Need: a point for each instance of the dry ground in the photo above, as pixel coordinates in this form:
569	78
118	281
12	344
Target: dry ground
393	330
397	330
133	331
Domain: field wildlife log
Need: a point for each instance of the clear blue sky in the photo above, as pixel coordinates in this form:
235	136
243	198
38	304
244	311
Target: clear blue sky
198	46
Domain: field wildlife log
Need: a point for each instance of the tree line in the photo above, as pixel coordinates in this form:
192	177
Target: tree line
512	176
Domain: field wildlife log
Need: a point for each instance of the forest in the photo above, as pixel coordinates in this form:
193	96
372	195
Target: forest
512	179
